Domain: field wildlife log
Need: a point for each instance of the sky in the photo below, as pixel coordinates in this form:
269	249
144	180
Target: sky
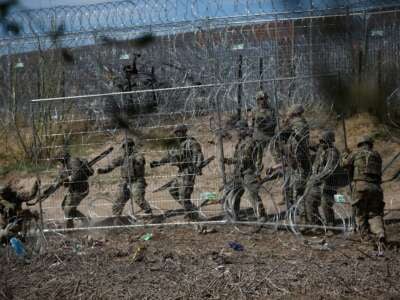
33	4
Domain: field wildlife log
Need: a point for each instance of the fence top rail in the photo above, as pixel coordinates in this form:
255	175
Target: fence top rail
89	96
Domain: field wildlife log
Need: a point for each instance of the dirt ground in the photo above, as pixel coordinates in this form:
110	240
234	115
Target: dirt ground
179	263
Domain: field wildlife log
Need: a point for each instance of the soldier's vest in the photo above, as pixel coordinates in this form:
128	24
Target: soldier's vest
264	124
367	166
299	153
79	171
185	156
133	167
245	157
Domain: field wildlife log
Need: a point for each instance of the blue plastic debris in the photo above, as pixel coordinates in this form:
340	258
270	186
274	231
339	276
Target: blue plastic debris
236	246
18	247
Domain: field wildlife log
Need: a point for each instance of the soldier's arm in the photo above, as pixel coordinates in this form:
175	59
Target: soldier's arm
87	168
7	204
347	159
169	158
332	162
116	162
198	156
316	163
62	178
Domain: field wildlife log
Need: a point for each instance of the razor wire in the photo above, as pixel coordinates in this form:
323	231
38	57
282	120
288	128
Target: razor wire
186	75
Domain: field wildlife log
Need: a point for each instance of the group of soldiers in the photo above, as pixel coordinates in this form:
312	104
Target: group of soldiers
309	173
312	174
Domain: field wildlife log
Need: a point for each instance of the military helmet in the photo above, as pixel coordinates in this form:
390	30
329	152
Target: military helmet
296	109
261	95
366	139
128	142
181	128
328	136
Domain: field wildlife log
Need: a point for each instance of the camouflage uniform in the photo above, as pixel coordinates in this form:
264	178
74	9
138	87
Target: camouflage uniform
11	206
244	177
279	149
321	187
133	183
263	123
299	164
74	176
188	157
365	165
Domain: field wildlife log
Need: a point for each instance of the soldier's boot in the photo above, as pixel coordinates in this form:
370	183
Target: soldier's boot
377	228
191	212
147	211
261	214
83	218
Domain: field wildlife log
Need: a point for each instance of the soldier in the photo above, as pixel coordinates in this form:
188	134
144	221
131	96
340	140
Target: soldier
244	176
11	210
188	158
133	183
126	83
365	165
299	164
263	124
321	187
73	175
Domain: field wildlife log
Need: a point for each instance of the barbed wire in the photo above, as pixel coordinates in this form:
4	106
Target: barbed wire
120	15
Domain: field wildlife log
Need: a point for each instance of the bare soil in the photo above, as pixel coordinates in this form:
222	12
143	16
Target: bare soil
178	263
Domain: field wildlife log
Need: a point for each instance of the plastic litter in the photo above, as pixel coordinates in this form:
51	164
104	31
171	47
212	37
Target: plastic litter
146	237
211	196
339	198
236	246
138	255
18	247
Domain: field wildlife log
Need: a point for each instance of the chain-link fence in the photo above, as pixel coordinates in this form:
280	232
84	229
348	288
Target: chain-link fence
101	74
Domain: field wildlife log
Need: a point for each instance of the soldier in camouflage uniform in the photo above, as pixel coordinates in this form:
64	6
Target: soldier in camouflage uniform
244	176
127	82
74	177
263	123
365	166
188	157
321	186
299	163
11	209
133	183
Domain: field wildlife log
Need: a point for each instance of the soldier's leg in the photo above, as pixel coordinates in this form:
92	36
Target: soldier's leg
68	210
360	208
185	192
298	191
138	190
327	203
174	189
3	221
70	206
232	200
312	200
122	198
259	154
287	191
252	187
376	207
